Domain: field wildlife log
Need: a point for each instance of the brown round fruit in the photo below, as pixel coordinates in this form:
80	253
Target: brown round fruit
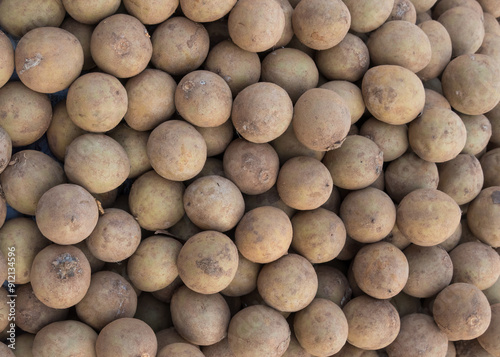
256	25
278	281
71	338
151	12
32	315
179	45
135	144
97	162
28	176
20	16
109	297
321	327
418	333
321	119
261	112
369	215
238	67
321	24
126	336
48	59
115	237
155	202
176	150
318	235
203	99
257	331
431	270
214	203
411	51
150	99
483	216
292	70
60	276
391	139
356	164
373	323
208	262
26	114
61	131
348	60
462	311
475	263
408	173
393	94
200	318
120	46
490	339
263	234
153	266
67	214
91	12
380	270
304	183
471	83
438	135
428	216
6	59
22	236
465	27
366	15
96	102
83	32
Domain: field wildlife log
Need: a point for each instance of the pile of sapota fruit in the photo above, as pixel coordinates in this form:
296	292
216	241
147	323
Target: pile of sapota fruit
254	178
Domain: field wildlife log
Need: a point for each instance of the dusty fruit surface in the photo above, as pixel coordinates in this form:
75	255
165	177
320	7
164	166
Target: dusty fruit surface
252	178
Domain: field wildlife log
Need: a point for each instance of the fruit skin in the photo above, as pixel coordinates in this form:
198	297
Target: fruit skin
67	214
176	150
373	323
380	270
321	327
256	25
208	262
60	276
155	202
28	176
97	162
202	319
48	59
153	266
70	338
258	331
393	94
331	19
462	311
483	216
126	337
120	45
283	276
6	59
471	83
264	234
427	216
332	119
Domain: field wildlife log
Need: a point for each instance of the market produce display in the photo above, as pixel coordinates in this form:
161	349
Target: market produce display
250	178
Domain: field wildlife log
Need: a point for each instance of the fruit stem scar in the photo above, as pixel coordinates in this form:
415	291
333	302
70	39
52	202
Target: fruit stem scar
31	62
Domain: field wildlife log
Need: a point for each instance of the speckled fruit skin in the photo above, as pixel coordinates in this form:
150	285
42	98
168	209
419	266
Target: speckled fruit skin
48	59
427	216
208	262
258	331
126	337
60	276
